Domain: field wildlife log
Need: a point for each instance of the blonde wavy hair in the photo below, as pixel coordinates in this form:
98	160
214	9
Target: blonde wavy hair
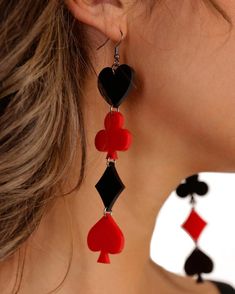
41	120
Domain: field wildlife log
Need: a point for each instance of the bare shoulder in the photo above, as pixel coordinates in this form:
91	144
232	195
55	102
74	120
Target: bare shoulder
186	285
211	288
189	285
182	284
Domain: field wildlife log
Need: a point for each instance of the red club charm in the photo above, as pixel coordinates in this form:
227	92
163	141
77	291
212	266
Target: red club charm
113	138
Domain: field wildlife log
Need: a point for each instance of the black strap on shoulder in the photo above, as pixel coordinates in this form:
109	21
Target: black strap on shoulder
224	288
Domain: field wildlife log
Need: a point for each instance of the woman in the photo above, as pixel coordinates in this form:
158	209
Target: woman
180	113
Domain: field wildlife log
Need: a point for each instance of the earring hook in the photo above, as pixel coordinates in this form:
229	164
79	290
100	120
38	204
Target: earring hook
120	41
116	46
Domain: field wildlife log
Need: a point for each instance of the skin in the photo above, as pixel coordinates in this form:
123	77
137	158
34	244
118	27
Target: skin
181	115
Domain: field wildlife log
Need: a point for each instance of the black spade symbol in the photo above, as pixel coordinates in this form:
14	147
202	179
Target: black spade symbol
192	185
114	87
198	263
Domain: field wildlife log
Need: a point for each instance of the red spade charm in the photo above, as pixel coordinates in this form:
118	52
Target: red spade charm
105	236
113	138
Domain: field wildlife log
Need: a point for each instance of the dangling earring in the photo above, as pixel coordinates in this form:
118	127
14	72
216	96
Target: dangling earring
198	262
114	84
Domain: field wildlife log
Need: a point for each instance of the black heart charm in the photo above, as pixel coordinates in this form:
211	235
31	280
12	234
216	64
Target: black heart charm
115	86
197	263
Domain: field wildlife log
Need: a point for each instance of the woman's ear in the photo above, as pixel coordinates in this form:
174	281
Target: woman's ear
108	16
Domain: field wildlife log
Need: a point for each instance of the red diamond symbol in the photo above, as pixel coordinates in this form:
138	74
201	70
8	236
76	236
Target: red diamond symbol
194	225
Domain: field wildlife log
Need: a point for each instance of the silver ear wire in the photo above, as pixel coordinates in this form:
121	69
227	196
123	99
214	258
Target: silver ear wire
116	46
116	54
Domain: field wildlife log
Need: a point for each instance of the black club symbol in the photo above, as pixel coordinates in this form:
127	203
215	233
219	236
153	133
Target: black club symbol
191	186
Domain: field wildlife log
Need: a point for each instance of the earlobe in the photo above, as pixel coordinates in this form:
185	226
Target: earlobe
107	17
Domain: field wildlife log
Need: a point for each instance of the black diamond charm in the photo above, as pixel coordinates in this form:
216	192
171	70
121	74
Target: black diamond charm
110	186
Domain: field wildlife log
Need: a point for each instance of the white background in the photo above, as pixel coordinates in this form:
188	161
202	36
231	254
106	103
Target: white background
171	245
